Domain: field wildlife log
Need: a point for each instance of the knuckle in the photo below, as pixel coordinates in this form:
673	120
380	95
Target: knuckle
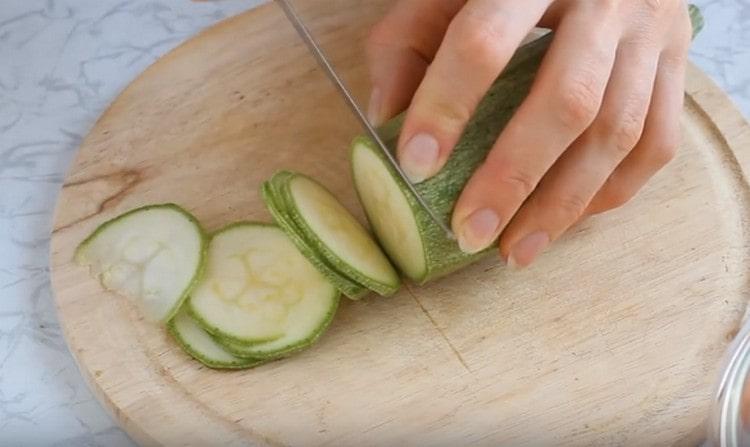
641	36
521	182
448	112
675	55
623	129
579	100
480	39
378	37
659	10
663	153
649	21
600	10
674	60
571	206
609	6
654	6
615	198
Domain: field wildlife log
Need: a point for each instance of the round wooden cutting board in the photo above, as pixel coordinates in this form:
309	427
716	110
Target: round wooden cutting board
613	337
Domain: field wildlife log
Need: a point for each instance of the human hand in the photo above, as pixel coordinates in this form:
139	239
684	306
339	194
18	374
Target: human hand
601	117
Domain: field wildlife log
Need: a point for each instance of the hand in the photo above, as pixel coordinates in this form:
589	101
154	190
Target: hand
600	120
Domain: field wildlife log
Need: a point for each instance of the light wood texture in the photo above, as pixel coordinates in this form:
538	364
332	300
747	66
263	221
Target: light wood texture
613	337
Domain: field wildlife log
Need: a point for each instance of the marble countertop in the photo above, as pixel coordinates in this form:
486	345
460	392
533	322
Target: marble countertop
61	63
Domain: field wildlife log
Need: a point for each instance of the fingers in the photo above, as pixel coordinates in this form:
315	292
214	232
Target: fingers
395	77
399	49
568	187
478	44
562	103
660	140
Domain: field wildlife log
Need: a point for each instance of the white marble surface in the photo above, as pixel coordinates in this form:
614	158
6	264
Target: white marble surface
61	63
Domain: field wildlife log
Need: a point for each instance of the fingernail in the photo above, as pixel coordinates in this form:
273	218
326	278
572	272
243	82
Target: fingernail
527	249
420	157
374	107
478	230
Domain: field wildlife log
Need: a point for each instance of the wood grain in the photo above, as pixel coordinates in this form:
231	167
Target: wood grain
614	337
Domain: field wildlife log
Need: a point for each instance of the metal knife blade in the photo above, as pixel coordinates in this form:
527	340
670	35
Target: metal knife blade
324	63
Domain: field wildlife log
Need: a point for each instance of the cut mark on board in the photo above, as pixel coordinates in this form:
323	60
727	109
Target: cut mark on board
440	331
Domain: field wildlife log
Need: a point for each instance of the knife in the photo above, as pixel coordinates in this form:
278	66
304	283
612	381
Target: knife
325	64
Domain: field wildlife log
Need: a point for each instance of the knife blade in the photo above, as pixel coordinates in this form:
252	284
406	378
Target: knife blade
327	67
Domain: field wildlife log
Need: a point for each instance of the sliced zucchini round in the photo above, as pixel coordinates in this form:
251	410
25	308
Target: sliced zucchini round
301	331
257	287
199	345
390	213
334	232
275	206
153	255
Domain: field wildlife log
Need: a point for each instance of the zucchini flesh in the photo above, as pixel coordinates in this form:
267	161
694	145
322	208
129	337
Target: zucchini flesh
153	255
337	236
275	206
389	211
255	280
199	344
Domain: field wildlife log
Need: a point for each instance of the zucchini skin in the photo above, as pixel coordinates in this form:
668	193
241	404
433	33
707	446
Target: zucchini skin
442	254
241	363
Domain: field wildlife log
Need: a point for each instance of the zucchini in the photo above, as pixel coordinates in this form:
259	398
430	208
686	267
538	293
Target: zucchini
275	206
301	330
256	285
333	232
153	255
415	243
199	345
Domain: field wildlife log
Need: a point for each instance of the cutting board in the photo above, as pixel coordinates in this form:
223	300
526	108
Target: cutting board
613	337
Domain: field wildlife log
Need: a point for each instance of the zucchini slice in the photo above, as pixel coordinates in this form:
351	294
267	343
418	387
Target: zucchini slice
153	255
257	286
333	232
304	325
199	345
392	215
275	206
